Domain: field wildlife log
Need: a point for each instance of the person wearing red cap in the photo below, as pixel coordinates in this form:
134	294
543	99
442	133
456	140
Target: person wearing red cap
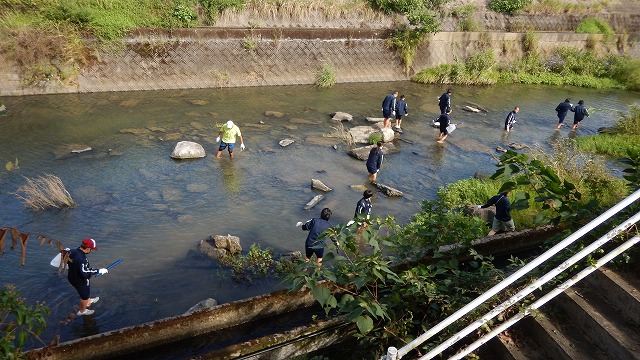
80	272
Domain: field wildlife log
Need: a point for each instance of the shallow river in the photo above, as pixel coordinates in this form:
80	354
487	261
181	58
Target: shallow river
152	211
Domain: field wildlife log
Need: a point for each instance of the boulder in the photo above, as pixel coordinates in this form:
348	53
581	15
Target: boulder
229	243
388	190
212	252
361	134
375	120
501	149
471	109
362	153
286	142
313	202
202	305
3	108
188	150
277	114
342	116
388	135
317	184
518	146
485	214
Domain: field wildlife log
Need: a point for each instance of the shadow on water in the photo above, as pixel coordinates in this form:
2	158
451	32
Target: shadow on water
143	206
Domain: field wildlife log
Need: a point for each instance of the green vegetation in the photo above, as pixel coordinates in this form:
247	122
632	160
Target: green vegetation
256	263
326	76
508	6
18	322
561	7
618	140
375	137
478	69
595	26
391	304
564	66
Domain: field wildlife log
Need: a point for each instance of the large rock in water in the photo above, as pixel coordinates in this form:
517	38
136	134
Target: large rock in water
188	150
317	184
342	116
362	153
361	134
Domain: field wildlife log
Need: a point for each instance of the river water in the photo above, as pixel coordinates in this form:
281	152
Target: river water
152	211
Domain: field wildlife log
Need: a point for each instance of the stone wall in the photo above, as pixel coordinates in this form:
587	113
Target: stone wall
211	58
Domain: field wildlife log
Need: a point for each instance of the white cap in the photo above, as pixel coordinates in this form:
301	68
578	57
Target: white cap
229	124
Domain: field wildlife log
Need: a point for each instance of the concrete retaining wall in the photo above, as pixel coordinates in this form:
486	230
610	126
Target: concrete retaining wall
214	58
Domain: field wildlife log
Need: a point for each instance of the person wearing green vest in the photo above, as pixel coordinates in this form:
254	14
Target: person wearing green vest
227	138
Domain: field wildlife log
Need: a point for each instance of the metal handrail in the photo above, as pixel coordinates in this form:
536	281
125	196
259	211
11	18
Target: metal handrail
395	354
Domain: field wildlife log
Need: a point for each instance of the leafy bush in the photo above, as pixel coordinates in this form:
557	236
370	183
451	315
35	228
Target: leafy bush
256	262
18	321
326	76
595	26
184	15
480	61
508	6
375	137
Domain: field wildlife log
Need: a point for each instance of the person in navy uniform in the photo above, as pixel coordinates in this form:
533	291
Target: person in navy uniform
511	119
389	108
562	109
444	102
444	121
80	272
580	111
401	110
315	240
374	161
363	210
502	221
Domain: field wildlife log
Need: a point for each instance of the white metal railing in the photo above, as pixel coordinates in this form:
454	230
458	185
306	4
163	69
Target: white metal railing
395	354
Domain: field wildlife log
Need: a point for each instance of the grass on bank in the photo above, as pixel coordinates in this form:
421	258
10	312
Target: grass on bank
617	140
564	66
586	171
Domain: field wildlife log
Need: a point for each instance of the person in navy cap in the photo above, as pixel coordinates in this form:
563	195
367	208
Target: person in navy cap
80	272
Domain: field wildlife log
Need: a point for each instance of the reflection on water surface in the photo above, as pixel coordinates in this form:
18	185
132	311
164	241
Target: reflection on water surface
142	206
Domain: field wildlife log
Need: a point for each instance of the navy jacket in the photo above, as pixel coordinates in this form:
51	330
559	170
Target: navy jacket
363	207
375	158
503	207
444	100
401	108
580	112
563	107
444	121
510	120
389	102
315	227
79	269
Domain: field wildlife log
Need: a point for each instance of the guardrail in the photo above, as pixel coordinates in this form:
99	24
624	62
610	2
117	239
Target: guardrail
396	354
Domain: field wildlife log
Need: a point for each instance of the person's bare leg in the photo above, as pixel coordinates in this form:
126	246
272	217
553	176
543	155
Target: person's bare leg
319	262
373	177
386	123
231	154
218	154
83	305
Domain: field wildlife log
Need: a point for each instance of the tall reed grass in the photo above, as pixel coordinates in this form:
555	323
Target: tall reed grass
44	192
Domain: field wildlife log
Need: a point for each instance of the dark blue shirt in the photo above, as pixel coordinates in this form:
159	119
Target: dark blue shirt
503	206
444	100
374	161
315	227
401	108
444	121
389	102
580	112
79	269
510	120
563	108
363	207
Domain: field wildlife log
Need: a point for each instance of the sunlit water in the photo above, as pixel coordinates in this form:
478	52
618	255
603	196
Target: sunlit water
152	211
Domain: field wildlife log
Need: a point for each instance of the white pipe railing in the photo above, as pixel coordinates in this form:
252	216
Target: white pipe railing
543	300
516	275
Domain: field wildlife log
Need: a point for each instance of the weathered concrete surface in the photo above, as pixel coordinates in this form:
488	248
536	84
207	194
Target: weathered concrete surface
155	333
213	58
